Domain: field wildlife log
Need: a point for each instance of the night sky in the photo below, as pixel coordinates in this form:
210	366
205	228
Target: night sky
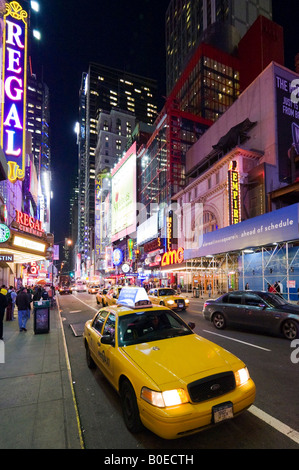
128	35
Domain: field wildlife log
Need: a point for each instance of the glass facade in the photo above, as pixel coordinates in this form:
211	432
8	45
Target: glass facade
187	23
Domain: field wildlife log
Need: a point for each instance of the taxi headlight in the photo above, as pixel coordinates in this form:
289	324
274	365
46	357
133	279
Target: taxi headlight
242	376
186	301
164	399
170	302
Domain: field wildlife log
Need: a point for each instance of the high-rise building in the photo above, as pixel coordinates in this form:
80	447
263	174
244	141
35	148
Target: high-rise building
221	22
102	90
38	125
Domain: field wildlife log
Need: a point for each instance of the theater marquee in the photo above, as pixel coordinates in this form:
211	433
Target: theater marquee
14	86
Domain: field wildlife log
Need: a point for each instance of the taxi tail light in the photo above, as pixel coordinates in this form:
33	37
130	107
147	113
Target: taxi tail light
164	399
242	376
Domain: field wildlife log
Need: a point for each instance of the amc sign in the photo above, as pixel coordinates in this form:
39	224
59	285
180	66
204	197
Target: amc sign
173	257
14	85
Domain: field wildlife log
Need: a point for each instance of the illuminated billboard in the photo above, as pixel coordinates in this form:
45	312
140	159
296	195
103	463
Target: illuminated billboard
124	196
14	86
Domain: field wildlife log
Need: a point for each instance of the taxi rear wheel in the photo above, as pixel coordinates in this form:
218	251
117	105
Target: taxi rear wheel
130	408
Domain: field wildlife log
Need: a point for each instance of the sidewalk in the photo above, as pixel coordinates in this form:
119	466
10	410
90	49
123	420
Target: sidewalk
37	409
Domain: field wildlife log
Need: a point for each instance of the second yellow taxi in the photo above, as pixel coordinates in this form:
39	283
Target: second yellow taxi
168	297
169	379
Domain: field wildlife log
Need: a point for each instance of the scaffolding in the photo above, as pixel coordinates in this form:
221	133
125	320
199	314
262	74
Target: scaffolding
259	268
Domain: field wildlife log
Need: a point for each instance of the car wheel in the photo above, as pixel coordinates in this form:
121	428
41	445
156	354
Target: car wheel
290	329
130	408
90	362
219	321
162	303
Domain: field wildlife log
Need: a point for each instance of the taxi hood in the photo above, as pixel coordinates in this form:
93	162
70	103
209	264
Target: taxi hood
182	359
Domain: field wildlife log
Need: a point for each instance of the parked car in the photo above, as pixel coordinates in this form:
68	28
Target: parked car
169	379
261	311
93	289
168	297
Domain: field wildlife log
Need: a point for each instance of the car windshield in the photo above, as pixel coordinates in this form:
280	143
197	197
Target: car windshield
167	292
273	300
147	326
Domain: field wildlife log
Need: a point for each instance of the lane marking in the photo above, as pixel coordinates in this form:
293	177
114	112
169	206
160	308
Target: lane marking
275	423
69	370
237	340
89	306
75	311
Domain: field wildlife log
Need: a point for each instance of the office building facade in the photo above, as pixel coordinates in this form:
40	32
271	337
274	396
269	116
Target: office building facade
104	89
188	23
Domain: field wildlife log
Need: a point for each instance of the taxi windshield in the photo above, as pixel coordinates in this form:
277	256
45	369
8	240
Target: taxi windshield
145	326
167	292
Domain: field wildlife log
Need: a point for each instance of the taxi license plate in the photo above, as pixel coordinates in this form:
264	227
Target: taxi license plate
222	412
180	305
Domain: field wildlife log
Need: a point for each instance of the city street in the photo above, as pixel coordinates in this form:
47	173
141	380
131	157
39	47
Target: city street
272	423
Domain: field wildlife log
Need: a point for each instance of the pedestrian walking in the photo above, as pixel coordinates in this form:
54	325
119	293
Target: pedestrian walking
3	305
22	302
9	314
29	295
247	286
13	302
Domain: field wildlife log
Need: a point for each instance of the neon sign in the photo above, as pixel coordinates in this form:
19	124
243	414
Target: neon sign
29	224
234	194
14	86
169	231
173	257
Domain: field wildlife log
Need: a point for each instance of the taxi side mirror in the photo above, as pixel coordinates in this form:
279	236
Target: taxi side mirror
191	325
107	339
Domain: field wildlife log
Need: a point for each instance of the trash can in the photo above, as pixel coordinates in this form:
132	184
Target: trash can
41	309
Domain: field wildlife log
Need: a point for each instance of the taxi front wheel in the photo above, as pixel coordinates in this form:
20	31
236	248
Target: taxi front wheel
130	407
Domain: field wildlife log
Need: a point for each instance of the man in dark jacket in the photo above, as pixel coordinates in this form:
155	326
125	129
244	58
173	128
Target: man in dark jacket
23	304
3	305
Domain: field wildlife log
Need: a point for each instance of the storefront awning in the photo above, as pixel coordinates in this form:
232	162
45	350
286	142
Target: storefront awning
274	227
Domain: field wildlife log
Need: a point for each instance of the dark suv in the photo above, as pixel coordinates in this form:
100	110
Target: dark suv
257	310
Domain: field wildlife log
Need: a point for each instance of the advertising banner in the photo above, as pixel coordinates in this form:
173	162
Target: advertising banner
287	111
124	196
273	227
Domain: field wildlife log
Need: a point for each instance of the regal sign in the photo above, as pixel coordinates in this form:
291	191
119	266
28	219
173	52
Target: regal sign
29	224
173	257
14	86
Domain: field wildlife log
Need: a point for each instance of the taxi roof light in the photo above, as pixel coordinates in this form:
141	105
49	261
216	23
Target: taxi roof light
134	297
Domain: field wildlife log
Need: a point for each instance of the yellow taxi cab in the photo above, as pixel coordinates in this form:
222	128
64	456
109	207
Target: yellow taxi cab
93	289
110	298
100	295
168	297
169	379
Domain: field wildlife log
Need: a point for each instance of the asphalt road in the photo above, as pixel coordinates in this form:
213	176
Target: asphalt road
272	423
